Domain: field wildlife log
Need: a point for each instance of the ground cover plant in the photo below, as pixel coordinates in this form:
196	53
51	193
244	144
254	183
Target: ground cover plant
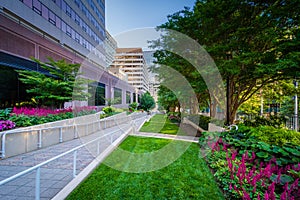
160	123
110	111
186	178
256	163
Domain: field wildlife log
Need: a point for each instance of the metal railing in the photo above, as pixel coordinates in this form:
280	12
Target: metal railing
74	151
40	131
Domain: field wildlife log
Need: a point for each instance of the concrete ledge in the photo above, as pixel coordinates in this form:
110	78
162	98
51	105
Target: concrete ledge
214	128
90	168
187	121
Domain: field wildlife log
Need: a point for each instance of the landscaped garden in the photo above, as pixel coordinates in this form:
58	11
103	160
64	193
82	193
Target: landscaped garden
25	116
256	162
186	178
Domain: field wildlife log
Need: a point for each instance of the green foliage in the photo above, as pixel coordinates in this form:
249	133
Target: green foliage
107	110
273	120
186	178
267	142
276	136
147	101
252	43
133	106
5	113
201	120
58	88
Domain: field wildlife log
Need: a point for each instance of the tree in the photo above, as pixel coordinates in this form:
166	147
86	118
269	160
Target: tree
147	101
58	87
253	43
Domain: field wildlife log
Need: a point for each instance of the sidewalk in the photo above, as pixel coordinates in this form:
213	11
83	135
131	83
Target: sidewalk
56	174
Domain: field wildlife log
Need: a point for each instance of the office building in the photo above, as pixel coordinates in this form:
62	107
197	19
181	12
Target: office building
131	61
73	30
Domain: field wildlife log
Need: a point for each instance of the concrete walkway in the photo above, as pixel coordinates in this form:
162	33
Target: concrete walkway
57	174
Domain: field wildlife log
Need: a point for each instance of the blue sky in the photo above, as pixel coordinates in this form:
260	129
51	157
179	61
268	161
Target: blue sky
125	15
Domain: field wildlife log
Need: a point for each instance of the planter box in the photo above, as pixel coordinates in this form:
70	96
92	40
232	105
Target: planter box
22	140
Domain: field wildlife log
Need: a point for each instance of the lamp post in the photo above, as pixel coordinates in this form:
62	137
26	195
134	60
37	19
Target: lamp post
296	107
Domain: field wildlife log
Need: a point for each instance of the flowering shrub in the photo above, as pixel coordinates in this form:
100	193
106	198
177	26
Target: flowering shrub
24	116
37	111
243	173
6	125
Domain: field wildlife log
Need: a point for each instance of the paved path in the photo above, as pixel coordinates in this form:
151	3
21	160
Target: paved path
56	174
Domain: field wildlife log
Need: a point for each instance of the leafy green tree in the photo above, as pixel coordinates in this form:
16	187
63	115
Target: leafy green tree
147	101
167	99
253	43
58	87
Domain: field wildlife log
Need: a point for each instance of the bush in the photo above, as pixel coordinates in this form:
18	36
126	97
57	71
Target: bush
6	125
174	117
133	106
247	167
273	120
201	120
107	110
5	113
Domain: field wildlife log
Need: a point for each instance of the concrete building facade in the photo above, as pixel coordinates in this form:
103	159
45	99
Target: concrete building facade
131	61
60	29
154	82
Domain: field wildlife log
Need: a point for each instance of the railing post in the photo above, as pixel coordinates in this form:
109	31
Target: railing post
60	134
38	183
75	132
104	123
3	146
40	139
74	163
98	148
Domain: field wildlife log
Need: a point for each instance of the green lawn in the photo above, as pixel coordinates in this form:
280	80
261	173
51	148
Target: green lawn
160	124
186	178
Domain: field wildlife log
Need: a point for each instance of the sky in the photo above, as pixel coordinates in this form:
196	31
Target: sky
127	18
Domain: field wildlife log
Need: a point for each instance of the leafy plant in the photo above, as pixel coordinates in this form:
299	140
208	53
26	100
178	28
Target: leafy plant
201	120
5	113
6	125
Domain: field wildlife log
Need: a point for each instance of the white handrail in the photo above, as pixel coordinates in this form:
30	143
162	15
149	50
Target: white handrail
38	166
3	134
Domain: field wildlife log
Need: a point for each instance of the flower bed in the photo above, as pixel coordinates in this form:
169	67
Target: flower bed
23	117
248	165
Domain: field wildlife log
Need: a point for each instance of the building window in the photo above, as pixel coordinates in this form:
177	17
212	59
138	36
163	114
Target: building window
37	7
68	10
68	31
77	19
97	91
117	95
128	97
52	18
77	37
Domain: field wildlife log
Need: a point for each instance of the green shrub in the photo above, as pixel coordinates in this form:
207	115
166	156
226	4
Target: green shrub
133	106
274	120
276	136
201	120
107	110
267	142
5	113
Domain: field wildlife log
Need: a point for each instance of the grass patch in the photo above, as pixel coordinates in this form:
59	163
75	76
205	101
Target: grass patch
186	178
160	124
